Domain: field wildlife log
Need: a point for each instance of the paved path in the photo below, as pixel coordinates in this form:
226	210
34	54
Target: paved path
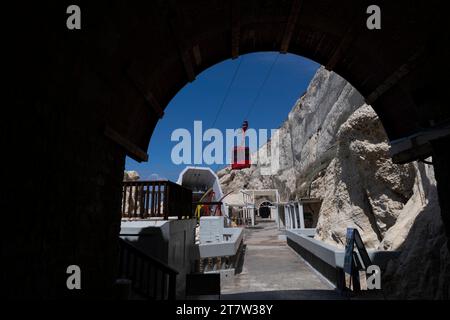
272	270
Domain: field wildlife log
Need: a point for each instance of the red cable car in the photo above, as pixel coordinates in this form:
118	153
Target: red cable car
241	154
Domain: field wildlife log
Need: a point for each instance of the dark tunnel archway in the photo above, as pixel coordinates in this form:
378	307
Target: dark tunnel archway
264	209
95	95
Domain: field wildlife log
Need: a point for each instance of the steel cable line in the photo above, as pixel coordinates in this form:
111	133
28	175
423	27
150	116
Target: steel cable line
261	87
227	92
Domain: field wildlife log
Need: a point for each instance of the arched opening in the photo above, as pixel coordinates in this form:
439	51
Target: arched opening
264	210
309	210
94	96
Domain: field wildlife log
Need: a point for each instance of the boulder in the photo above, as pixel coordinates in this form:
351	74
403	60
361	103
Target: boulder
131	176
362	188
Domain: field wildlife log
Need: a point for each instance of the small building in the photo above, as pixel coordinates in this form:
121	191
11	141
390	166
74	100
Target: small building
248	205
245	206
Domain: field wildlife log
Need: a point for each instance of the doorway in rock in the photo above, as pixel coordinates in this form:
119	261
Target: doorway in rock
264	210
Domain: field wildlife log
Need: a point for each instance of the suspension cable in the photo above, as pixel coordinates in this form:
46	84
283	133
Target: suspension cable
228	91
261	87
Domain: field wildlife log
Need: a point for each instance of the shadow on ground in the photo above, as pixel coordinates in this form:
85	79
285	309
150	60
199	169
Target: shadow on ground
286	295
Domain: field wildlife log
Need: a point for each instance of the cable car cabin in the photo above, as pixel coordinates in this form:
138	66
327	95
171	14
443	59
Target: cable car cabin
241	158
241	154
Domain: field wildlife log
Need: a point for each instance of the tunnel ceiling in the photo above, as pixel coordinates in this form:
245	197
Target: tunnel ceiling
145	52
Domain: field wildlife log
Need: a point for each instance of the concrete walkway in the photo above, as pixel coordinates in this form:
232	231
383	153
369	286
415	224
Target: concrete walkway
272	270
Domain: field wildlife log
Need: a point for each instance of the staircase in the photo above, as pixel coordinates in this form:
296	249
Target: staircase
150	278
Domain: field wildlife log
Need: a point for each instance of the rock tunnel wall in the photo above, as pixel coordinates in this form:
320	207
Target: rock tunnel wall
66	186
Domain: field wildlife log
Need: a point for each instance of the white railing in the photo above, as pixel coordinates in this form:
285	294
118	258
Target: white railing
248	210
293	216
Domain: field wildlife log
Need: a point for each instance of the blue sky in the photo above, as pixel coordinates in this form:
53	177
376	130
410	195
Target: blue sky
201	100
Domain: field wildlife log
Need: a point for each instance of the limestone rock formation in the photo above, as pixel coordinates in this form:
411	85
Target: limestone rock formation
305	143
361	187
131	176
422	271
333	146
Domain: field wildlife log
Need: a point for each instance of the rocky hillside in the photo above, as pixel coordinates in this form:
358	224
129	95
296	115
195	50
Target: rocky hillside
361	187
333	146
306	141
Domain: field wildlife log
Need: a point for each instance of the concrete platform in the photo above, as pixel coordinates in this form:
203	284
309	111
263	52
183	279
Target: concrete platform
227	247
272	270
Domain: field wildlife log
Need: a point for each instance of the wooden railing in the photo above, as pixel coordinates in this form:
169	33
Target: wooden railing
148	199
150	277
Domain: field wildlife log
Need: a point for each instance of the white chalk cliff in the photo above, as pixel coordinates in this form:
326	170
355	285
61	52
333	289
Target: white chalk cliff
333	146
